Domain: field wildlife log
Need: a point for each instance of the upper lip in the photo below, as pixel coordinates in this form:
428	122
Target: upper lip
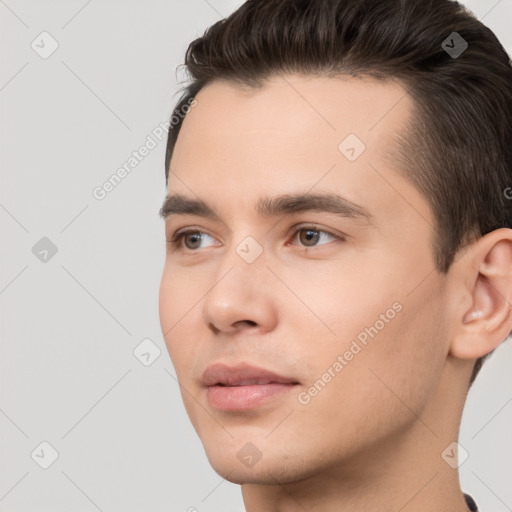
241	375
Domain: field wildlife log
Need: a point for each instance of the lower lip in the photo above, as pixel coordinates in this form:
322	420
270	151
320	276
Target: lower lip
239	398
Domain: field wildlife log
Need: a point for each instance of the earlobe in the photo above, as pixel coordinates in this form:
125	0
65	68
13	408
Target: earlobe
488	320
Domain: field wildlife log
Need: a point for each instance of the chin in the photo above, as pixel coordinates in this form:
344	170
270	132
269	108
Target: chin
270	469
244	476
241	465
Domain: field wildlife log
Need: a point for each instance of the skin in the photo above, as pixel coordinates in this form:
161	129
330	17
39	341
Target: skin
372	438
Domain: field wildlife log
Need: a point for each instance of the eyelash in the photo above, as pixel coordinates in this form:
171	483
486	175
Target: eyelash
175	242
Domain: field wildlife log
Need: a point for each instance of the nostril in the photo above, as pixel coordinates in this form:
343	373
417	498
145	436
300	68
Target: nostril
213	328
252	323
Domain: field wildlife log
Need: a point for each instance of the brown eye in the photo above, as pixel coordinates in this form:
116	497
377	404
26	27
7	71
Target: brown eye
192	240
310	235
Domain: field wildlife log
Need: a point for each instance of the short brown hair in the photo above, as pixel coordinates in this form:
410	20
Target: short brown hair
457	148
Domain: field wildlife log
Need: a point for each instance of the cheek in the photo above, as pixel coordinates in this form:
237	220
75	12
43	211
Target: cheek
338	303
372	396
176	301
392	343
399	368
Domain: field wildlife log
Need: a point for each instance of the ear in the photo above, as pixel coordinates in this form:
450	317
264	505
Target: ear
486	277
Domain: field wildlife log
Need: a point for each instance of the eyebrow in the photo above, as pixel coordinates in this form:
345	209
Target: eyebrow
178	204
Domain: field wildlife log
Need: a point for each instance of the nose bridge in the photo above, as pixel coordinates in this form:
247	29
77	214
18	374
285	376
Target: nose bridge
237	293
243	267
245	254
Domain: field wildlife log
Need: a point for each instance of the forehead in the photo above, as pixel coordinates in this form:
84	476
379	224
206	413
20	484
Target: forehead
295	133
300	106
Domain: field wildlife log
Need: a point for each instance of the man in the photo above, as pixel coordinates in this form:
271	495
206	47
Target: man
339	257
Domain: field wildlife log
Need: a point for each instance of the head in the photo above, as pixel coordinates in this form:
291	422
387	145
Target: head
401	288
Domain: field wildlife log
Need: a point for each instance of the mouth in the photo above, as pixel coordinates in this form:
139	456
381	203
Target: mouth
243	387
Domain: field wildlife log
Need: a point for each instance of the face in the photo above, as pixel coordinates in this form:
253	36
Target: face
339	299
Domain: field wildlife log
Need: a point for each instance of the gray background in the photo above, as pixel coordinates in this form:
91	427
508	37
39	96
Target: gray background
70	323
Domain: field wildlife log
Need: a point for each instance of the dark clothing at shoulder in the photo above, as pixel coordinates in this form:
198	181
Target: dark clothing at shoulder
471	503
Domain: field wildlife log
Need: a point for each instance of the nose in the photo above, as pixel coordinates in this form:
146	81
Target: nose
241	299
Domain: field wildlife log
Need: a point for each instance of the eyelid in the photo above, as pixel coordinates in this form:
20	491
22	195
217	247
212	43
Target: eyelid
175	241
